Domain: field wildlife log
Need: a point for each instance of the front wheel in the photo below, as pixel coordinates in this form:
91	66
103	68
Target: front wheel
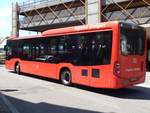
66	77
17	68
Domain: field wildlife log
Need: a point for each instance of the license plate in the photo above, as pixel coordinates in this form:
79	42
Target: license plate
133	79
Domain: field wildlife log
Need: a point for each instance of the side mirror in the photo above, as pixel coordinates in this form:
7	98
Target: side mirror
5	47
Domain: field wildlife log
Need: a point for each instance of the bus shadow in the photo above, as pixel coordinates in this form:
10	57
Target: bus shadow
135	92
37	77
23	106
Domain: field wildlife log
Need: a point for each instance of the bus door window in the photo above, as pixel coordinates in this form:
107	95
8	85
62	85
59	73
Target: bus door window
101	45
72	48
83	46
107	46
96	48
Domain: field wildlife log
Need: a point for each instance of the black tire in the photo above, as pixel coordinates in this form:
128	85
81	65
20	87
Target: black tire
66	78
17	68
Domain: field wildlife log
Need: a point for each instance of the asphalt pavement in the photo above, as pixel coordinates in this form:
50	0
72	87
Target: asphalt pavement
29	94
3	107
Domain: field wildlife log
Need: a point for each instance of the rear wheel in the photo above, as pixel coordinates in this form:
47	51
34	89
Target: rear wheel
17	68
65	77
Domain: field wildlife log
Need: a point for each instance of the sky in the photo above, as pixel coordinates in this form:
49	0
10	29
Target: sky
5	17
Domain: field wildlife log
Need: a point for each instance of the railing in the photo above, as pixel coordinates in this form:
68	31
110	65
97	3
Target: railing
134	11
35	4
40	12
107	2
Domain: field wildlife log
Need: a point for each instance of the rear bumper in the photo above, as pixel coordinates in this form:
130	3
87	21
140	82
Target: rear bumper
123	83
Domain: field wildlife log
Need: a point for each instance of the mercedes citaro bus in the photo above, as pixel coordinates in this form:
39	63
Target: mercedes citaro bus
106	55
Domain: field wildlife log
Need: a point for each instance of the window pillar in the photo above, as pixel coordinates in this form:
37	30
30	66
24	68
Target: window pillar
93	9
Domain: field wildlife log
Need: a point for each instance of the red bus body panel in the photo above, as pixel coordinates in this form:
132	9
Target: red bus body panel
107	78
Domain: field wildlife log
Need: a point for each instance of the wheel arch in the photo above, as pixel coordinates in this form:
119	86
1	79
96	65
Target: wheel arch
63	69
15	64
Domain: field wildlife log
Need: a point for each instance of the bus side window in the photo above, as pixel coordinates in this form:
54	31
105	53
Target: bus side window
124	45
8	50
11	50
26	51
53	46
148	55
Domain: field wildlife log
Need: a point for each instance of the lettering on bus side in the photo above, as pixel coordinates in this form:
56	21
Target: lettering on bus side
132	69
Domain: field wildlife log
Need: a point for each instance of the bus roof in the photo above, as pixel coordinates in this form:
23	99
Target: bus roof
78	29
70	30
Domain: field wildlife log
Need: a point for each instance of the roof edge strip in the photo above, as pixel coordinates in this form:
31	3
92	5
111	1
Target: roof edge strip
80	28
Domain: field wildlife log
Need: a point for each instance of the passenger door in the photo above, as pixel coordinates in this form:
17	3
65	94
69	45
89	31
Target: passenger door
80	70
46	64
100	58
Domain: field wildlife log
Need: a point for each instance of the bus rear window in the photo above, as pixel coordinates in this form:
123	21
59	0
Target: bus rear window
132	40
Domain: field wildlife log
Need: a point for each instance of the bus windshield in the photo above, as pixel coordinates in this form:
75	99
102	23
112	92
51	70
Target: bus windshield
132	40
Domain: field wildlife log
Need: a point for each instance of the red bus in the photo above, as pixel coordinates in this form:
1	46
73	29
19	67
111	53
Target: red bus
106	55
